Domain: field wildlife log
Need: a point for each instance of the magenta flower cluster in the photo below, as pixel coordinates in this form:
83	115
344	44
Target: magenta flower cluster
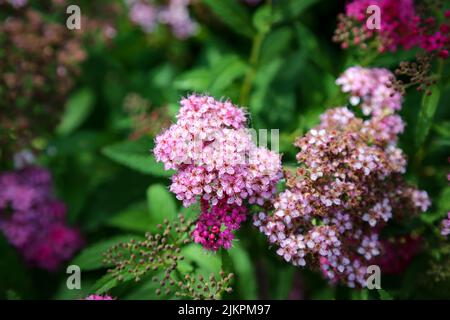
401	26
348	186
33	221
215	225
175	14
215	157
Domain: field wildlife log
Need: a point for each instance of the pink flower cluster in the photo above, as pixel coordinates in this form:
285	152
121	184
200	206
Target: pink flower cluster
215	157
33	220
215	225
98	297
402	26
370	90
349	185
445	231
370	87
175	14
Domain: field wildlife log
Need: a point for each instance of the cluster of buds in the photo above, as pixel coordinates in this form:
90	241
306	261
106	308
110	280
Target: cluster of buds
349	32
417	72
348	186
198	287
160	253
38	70
218	162
145	119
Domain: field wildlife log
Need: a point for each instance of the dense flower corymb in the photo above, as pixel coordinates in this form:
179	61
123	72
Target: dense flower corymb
349	185
216	159
401	25
33	220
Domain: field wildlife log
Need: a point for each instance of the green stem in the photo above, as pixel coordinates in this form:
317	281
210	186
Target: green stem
251	72
420	153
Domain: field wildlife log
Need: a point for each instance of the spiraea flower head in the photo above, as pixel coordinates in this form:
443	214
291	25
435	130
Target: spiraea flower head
348	187
216	160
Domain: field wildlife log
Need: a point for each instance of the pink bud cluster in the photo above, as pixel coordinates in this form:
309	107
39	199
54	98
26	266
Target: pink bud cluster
215	157
175	14
348	186
401	26
215	225
33	220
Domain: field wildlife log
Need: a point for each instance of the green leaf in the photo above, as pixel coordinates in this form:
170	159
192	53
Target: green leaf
426	114
233	14
245	274
194	80
225	73
284	283
214	79
191	212
106	283
136	155
77	109
290	9
384	295
134	218
161	204
275	44
263	79
206	261
227	263
13	275
91	257
262	19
